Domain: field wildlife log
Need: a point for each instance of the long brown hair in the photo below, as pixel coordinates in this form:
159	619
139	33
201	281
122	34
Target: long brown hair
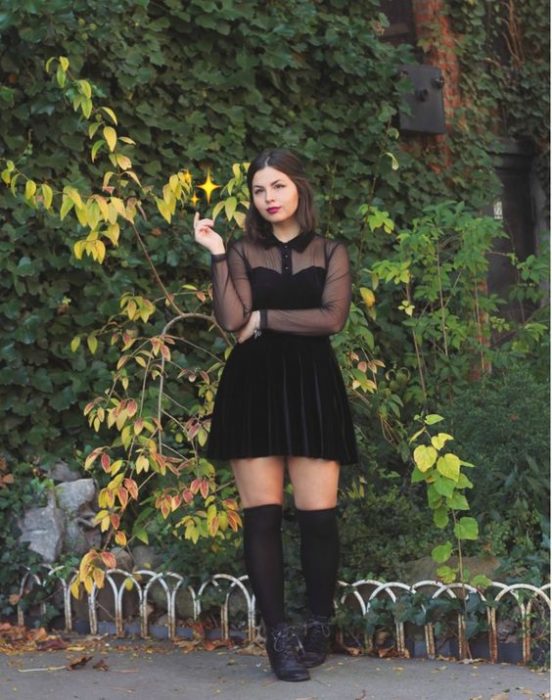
257	228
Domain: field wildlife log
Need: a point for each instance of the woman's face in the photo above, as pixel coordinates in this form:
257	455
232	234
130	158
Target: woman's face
275	195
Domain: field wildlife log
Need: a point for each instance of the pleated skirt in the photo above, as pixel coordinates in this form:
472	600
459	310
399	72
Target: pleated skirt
282	394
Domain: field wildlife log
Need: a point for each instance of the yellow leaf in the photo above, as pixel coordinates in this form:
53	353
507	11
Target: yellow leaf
75	588
111	114
121	539
64	63
449	465
85	88
100	250
110	135
425	457
439	440
78	249
82	215
47	195
123	162
30	189
99	578
74	196
75	343
92	342
164	210
368	297
112	232
133	175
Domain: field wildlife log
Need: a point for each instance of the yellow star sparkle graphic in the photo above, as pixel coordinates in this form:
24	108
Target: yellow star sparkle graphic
194	199
208	186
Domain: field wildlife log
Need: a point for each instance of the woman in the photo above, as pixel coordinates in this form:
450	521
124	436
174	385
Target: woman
283	289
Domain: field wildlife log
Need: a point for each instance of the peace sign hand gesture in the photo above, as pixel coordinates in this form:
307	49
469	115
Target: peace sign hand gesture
207	236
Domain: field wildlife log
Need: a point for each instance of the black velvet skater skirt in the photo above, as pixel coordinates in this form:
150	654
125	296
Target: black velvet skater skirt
282	394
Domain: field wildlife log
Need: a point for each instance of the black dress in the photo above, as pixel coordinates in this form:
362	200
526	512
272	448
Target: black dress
282	393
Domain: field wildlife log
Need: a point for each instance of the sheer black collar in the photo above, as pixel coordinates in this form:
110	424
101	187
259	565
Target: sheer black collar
299	243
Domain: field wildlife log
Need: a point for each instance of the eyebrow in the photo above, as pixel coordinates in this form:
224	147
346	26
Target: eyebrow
272	183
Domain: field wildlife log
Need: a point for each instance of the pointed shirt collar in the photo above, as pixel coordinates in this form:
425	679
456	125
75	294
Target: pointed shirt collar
299	243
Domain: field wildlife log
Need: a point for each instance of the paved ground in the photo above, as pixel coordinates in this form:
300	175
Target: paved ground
143	670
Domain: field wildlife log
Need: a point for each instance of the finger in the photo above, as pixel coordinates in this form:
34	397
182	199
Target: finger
196	218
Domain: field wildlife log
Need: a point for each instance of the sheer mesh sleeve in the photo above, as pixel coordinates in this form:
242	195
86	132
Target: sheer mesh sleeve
331	316
231	288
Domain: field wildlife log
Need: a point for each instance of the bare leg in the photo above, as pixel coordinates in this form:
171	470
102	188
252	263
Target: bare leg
315	482
260	480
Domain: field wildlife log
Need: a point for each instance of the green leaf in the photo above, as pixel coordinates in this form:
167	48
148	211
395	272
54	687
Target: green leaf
481	581
441	517
449	465
434	498
66	205
444	486
441	553
464	482
458	502
433	418
417	476
446	574
92	342
466	529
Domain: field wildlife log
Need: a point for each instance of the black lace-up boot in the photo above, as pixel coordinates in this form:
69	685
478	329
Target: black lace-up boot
283	646
316	643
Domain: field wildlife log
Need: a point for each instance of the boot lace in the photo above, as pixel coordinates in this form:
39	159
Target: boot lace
285	641
317	635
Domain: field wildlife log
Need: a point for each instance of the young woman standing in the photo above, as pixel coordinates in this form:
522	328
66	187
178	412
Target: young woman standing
283	289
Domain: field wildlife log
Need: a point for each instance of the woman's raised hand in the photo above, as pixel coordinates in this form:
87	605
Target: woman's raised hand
206	236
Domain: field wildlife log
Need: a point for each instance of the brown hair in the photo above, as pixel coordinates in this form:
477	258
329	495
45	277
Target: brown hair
257	228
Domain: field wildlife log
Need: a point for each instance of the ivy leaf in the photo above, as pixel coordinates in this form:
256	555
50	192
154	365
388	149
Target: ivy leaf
458	502
449	465
425	456
444	486
446	574
441	517
433	418
466	529
441	553
439	440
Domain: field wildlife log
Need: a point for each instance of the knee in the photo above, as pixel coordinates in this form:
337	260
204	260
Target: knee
262	518
318	523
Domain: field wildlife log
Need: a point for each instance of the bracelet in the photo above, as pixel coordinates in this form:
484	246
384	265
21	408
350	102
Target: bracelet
256	333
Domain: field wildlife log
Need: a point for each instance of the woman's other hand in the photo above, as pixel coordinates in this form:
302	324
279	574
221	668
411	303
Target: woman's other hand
206	236
252	324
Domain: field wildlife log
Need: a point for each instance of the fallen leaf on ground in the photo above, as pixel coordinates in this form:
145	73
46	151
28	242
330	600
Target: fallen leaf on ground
78	663
101	665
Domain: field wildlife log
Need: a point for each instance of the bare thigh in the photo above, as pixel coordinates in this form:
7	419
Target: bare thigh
315	482
260	480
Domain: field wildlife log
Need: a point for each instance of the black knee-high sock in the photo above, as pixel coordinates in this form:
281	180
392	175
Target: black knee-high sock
319	557
264	560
